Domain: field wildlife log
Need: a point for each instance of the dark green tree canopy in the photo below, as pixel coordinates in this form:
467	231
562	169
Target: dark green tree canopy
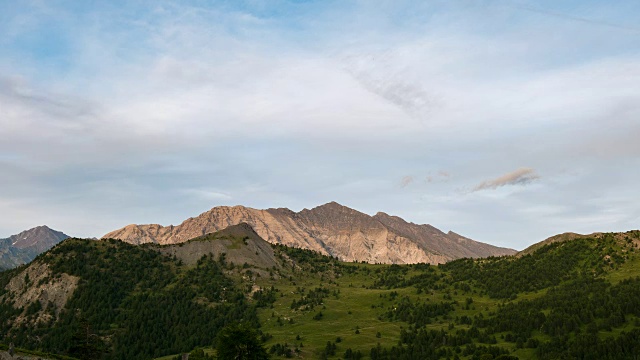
240	342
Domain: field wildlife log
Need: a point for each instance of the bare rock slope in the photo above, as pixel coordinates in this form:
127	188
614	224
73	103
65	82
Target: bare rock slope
330	229
36	283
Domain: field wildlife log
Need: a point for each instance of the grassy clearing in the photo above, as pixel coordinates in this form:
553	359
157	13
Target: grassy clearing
354	308
629	269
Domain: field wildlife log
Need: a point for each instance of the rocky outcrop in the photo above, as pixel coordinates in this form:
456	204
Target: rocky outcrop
36	283
23	247
330	229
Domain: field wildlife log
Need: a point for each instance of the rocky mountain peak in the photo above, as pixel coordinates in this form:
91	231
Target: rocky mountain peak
25	246
334	210
332	229
330	207
39	237
338	218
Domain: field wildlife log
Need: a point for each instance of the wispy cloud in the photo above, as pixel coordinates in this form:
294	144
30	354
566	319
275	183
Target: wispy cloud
406	181
375	73
27	108
522	176
441	176
207	194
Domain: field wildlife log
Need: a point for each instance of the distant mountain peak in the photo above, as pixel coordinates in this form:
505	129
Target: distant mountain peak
332	205
331	228
334	208
23	247
40	236
40	227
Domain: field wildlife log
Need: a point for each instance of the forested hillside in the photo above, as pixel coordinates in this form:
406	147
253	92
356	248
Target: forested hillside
577	299
139	303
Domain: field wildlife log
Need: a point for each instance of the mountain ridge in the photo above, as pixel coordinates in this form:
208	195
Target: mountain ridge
569	236
331	229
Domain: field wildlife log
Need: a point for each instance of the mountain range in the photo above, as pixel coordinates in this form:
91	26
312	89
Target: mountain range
568	297
23	247
330	229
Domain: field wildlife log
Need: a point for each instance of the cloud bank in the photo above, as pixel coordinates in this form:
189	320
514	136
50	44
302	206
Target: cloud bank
124	112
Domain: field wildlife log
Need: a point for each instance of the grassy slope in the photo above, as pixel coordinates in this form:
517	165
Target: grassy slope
359	307
356	307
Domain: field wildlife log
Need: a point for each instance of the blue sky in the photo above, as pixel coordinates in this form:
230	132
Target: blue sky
504	121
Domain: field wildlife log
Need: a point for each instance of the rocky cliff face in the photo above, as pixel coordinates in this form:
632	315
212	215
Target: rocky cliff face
331	229
25	246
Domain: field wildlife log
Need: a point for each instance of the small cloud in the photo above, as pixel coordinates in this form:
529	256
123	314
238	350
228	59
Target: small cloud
374	74
522	176
441	176
207	194
406	181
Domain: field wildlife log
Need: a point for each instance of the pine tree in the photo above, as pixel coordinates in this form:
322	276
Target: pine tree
239	342
84	343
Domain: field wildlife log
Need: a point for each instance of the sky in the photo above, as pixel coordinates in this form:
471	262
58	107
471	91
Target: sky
506	121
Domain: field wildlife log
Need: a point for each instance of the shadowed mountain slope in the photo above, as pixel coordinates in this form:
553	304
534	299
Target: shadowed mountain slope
239	244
